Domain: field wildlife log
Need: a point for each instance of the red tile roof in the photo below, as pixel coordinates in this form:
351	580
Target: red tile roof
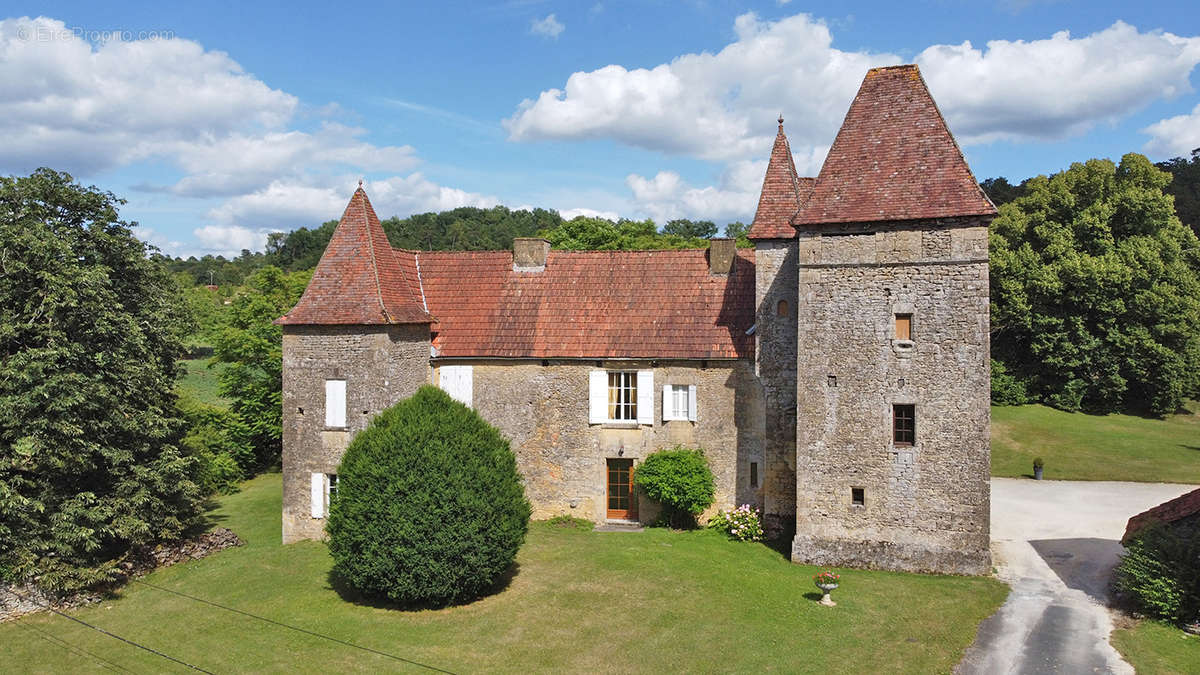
782	193
589	304
360	279
1168	512
893	159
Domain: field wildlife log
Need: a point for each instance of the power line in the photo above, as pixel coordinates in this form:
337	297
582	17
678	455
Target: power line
295	628
105	663
111	635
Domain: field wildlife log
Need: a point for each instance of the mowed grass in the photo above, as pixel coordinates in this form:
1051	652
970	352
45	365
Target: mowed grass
1076	446
1153	648
580	601
200	381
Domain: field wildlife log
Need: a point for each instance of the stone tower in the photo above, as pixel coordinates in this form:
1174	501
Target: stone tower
892	369
774	240
355	343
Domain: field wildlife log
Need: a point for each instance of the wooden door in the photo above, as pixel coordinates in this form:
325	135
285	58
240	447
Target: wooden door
621	503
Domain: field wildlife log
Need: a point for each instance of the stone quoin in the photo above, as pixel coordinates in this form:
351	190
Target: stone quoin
836	375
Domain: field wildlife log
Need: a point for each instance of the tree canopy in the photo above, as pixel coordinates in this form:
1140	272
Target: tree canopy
90	329
1185	188
1095	291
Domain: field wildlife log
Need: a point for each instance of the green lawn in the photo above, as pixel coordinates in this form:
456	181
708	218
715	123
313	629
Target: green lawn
1153	648
581	601
200	381
1095	447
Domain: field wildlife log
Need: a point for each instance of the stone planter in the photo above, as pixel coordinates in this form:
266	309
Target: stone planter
827	589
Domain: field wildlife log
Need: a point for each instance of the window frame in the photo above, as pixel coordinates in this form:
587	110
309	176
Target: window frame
904	427
334	413
627	382
907	318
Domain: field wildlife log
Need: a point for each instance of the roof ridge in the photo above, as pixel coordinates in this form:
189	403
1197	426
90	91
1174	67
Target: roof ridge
374	259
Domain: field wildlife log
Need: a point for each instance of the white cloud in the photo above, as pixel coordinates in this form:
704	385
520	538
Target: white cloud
1057	87
66	104
1175	136
721	106
572	214
667	196
548	27
230	240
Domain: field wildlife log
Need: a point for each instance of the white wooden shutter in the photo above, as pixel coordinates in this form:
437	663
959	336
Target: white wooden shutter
335	403
318	495
598	397
458	382
645	397
668	408
692	402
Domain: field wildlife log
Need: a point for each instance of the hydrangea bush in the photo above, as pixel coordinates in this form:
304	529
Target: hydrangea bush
741	524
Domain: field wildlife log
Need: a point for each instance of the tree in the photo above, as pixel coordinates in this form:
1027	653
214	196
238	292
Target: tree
253	347
740	232
688	229
1095	291
430	508
1000	191
90	329
1185	188
601	234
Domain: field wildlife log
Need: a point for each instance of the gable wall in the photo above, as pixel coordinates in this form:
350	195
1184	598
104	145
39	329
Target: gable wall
927	506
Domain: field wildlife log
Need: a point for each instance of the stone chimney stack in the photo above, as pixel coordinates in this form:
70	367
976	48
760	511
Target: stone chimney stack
529	254
721	253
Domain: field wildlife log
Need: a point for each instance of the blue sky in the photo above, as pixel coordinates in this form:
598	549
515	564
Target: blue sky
219	124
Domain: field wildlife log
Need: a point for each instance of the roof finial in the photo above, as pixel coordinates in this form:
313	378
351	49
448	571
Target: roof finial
781	120
359	183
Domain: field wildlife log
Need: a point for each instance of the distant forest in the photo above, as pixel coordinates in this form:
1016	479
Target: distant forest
476	229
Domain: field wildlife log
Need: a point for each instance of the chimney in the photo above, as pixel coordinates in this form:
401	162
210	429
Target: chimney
529	254
721	253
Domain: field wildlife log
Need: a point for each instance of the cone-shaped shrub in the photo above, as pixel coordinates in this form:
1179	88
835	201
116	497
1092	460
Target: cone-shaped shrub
430	509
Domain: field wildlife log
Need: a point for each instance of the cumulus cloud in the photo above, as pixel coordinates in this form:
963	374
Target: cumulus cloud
667	196
1174	136
1057	87
549	27
720	106
572	214
229	240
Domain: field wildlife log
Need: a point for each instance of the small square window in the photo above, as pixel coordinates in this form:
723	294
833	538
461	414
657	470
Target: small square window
904	326
753	474
858	496
904	424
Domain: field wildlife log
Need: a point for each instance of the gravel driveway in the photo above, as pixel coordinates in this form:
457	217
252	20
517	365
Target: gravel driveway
1055	543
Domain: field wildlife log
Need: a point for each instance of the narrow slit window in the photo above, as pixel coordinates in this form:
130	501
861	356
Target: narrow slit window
753	474
904	424
858	496
782	308
904	326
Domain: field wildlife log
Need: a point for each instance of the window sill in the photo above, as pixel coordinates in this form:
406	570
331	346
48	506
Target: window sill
618	425
335	429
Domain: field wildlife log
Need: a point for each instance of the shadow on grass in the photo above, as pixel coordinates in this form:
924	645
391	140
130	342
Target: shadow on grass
814	596
350	594
1189	447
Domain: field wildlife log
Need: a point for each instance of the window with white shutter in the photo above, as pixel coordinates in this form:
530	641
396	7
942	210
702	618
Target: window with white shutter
317	493
335	403
458	382
621	396
679	402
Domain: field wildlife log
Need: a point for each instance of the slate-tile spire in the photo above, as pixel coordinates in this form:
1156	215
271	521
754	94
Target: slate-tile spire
782	193
893	159
358	280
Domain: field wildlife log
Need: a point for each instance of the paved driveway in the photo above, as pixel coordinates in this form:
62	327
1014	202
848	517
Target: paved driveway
1055	543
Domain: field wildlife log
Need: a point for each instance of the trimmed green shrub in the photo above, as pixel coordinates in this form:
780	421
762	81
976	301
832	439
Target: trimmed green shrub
430	509
1160	572
1007	388
680	480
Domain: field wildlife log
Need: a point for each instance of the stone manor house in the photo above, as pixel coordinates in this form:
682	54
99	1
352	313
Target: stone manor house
836	375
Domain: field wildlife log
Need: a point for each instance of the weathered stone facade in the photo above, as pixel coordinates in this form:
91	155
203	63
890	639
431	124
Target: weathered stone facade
380	364
543	411
925	506
775	353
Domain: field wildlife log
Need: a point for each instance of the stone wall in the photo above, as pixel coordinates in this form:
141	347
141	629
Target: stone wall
543	411
926	505
381	365
775	350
